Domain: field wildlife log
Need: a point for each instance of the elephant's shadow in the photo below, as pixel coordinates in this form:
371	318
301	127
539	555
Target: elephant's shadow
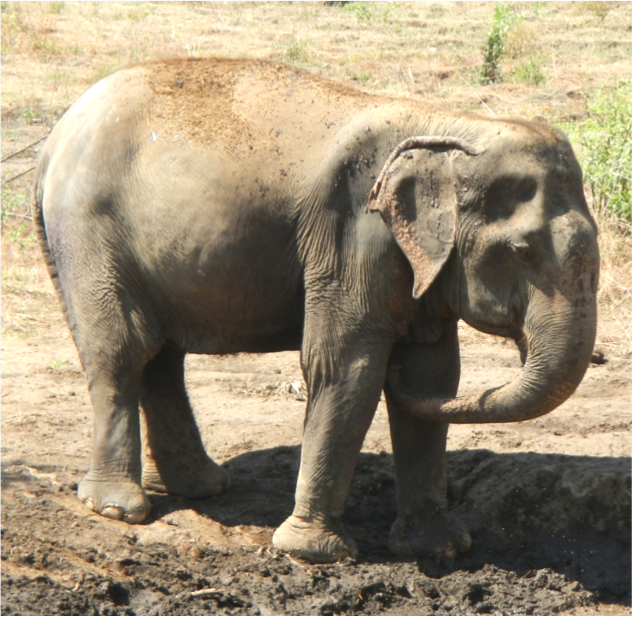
525	510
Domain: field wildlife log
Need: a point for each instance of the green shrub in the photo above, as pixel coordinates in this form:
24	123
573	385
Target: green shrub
367	11
295	51
21	238
363	76
605	150
529	72
55	7
505	16
362	10
12	203
536	5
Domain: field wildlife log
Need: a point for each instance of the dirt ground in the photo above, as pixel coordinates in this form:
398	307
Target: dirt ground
547	501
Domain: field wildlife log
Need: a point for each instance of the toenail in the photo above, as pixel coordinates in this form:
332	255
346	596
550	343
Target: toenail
113	512
133	518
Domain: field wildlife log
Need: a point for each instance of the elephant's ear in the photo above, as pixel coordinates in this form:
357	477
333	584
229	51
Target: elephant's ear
415	194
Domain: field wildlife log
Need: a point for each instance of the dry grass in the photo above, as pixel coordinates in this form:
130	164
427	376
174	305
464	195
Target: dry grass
52	51
615	290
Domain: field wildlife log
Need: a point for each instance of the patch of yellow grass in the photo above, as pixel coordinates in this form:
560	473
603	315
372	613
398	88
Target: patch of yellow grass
615	289
28	298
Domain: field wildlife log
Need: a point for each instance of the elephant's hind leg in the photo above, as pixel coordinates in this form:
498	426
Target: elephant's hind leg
175	460
113	347
112	485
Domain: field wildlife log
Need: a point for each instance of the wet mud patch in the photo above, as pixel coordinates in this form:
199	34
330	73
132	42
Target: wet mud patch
550	536
533	511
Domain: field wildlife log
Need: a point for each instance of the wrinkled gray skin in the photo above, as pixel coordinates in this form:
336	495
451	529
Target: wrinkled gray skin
234	206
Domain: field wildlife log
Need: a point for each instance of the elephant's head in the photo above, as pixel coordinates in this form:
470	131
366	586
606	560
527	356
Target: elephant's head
498	220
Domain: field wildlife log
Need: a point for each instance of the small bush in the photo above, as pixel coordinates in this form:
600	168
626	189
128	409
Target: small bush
363	76
55	7
362	10
22	237
367	11
529	72
505	17
295	52
536	5
604	140
522	40
13	204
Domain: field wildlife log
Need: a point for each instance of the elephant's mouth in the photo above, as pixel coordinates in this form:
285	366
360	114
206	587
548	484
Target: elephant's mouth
523	347
555	347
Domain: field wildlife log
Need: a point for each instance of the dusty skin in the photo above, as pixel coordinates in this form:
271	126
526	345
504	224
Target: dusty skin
547	501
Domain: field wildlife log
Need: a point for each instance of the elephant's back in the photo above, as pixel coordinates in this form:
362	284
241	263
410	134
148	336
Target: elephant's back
242	107
236	111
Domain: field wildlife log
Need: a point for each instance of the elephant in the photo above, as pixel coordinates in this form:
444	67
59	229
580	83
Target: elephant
216	206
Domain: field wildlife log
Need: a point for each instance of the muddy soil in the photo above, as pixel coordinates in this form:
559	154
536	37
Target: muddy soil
547	501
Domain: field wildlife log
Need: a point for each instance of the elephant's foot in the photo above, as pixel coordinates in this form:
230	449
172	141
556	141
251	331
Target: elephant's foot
442	537
316	541
194	479
122	501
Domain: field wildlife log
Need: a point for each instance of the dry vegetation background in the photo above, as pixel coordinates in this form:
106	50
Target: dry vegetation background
558	60
557	56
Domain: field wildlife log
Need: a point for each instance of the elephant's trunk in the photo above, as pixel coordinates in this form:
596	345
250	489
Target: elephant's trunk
559	334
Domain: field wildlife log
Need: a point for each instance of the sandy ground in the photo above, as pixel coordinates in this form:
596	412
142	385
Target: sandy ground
548	501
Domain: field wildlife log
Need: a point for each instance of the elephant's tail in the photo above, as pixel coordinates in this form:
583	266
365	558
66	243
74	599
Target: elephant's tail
39	224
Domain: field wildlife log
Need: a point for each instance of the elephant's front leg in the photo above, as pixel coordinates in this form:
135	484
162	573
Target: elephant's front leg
423	526
344	390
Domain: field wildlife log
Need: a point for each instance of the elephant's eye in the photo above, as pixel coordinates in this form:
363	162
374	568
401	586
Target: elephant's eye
505	194
526	189
522	251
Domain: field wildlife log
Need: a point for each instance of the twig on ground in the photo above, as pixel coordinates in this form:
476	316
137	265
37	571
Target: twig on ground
295	562
20	216
10	156
18	176
204	592
200	593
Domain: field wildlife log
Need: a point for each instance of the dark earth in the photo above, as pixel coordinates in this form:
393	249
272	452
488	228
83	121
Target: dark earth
551	531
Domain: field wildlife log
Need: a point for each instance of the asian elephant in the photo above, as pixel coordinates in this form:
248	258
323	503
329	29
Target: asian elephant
222	206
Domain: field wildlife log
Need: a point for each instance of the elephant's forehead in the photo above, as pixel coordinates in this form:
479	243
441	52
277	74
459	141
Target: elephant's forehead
527	147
